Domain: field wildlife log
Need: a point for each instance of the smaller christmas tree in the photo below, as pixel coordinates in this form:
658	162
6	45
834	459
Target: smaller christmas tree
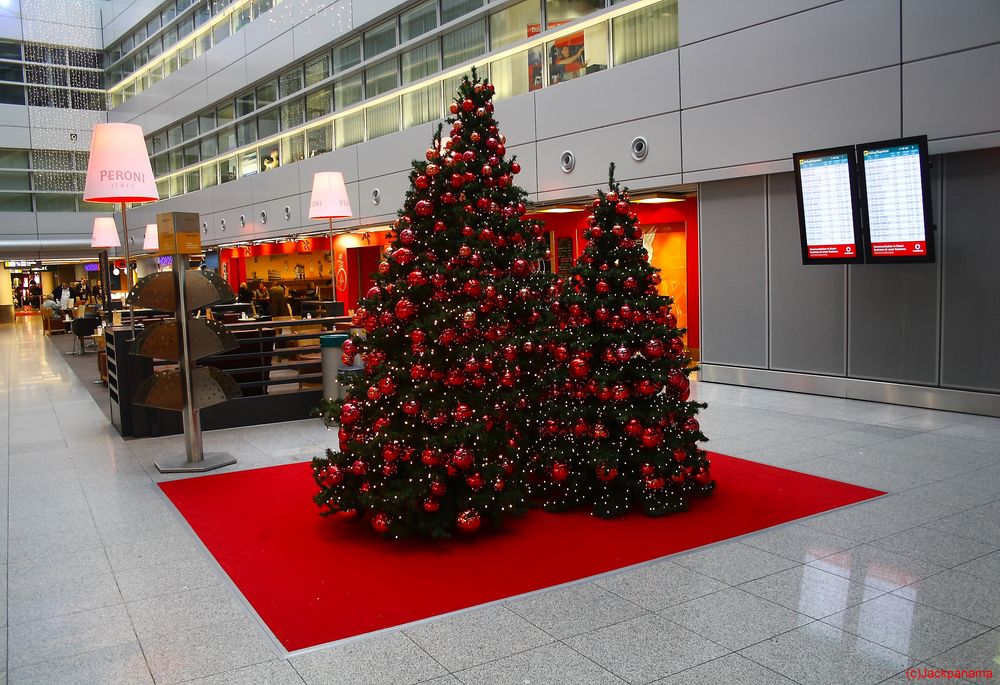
619	429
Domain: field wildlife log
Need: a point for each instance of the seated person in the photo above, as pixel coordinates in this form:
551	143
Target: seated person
53	306
279	301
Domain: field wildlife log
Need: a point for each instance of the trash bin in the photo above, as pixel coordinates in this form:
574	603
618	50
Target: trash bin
331	345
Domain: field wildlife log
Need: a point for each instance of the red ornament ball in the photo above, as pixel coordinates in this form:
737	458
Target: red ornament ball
579	368
381	523
520	268
431	505
349	413
605	474
403	255
653	348
424	208
468	521
405	309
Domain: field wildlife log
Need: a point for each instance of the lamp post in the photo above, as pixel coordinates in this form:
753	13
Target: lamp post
119	171
105	236
329	201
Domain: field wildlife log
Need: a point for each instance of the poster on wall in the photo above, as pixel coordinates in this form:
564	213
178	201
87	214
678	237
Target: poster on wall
829	218
895	201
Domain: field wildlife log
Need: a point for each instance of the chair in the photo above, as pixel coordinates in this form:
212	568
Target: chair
50	324
81	328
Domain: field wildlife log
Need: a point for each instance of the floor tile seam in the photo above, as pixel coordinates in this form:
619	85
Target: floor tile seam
929	661
943	611
819	618
420	648
906	555
490	660
643	611
603	668
735	653
74	654
210	675
47	582
984	630
936	530
729	649
63	615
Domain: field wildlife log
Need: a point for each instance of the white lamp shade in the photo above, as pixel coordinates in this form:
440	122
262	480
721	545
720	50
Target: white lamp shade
105	233
329	198
119	169
152	239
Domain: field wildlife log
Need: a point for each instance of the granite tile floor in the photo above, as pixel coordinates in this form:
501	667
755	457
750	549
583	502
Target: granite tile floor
102	584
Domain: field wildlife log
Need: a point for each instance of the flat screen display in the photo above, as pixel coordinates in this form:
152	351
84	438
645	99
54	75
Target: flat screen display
896	201
829	221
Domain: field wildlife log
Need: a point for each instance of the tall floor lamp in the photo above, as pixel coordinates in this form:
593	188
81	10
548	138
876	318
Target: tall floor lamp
119	171
105	236
329	201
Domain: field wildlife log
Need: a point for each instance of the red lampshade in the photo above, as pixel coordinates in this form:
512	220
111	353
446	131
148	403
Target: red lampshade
329	198
151	241
119	169
105	233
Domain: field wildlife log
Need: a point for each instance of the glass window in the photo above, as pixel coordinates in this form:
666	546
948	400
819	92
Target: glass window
140	34
45	202
420	62
15	202
155	48
153	25
380	39
422	105
292	114
176	185
174	136
267	123
453	9
267	93
347	55
167	16
169	39
291	82
227	170
248	163
209	147
317	70
13	159
320	139
13	50
220	32
269	158
417	21
261	6
239	19
12	180
209	175
185	55
161	165
464	44
206	120
11	72
319	103
225	114
347	92
581	53
645	32
202	14
227	139
190	129
350	130
381	78
519	73
293	148
191	154
383	118
162	189
11	95
176	159
246	132
515	23
192	181
559	12
244	104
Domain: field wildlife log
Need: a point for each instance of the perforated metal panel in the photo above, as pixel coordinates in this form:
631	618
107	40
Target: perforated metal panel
209	387
205	338
203	289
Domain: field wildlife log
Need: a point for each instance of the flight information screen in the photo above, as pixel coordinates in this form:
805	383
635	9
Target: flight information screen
828	216
896	205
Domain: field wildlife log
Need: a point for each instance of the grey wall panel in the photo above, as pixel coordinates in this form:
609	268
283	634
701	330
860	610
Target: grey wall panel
15	136
970	355
807	312
894	315
320	28
280	182
274	223
932	27
527	158
270	58
14	115
225	53
801	48
392	190
395	151
952	95
597	100
774	125
733	217
594	149
701	19
366	10
517	118
223	81
229	195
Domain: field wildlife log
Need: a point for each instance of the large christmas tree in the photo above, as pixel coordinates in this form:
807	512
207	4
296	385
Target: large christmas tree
619	428
430	435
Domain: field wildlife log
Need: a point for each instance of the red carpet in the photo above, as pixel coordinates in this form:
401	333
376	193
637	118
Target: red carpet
313	580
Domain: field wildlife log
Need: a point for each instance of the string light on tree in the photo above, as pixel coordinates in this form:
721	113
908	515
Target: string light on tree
617	427
432	436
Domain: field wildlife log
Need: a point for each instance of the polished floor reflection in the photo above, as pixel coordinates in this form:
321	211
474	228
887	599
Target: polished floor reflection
103	584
